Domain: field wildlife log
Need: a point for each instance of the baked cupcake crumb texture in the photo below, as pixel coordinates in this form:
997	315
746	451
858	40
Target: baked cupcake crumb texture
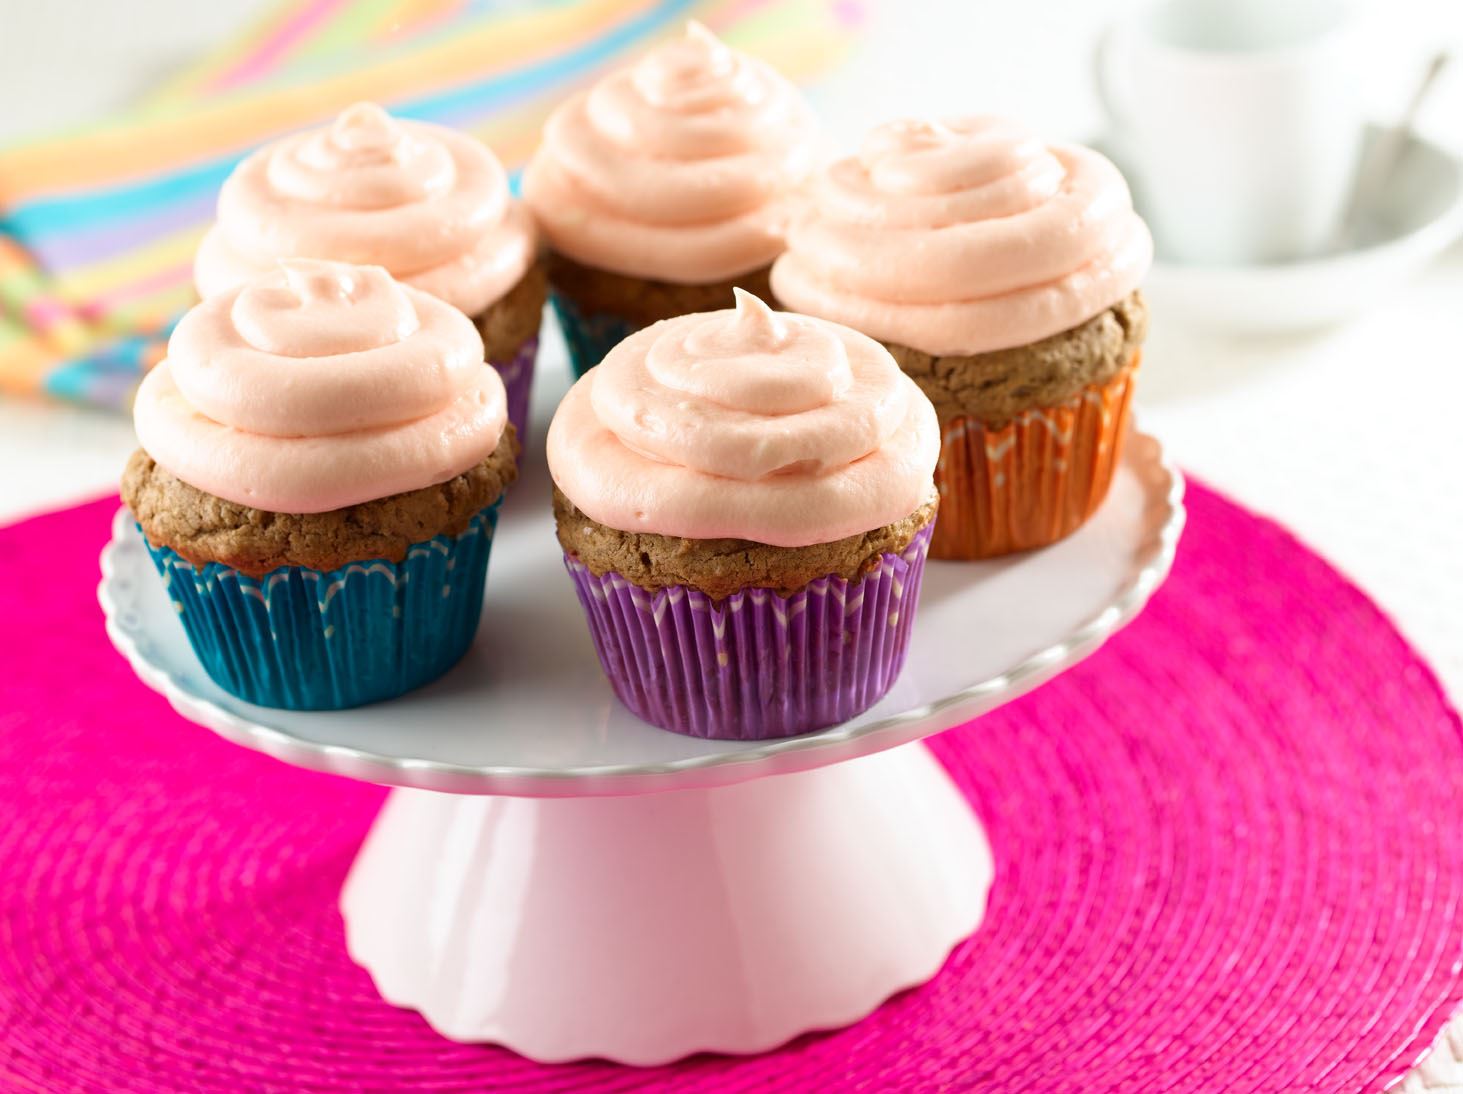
721	567
508	323
643	301
203	528
995	387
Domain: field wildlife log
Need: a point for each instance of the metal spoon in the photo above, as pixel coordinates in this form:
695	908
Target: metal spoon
1380	160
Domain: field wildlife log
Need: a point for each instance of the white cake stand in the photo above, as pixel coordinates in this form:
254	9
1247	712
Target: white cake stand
556	876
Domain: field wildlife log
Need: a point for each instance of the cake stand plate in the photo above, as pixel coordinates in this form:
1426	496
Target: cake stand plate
559	877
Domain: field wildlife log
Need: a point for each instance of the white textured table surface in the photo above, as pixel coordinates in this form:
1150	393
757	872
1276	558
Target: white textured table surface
1353	438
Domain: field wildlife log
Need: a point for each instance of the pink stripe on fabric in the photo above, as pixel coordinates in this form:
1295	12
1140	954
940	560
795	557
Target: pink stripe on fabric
274	49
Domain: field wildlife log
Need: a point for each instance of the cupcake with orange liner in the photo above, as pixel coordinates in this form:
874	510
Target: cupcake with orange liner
323	455
1002	273
664	186
745	501
429	204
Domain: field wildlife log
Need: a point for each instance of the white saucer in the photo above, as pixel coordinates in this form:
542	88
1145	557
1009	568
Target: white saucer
1413	220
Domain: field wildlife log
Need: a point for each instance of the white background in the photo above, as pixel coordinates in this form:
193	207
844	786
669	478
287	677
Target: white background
1353	438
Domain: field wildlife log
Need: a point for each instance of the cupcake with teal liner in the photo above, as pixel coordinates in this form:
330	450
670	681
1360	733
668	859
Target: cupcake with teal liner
665	186
322	459
745	500
428	203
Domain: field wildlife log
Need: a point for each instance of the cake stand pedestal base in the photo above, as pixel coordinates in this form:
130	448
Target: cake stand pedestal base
646	928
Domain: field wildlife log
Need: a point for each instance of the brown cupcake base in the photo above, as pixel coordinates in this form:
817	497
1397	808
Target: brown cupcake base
996	386
203	528
642	301
721	567
516	316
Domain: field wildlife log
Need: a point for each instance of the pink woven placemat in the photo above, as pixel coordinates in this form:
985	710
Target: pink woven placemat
1229	856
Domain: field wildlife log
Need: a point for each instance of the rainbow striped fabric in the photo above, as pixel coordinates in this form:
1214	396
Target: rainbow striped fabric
98	225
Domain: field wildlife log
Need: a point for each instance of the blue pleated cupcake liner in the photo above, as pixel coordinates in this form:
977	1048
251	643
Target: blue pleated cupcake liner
517	376
589	336
306	639
755	665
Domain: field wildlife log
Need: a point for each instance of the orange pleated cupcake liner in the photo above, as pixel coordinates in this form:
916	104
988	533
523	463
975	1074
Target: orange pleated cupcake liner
1035	479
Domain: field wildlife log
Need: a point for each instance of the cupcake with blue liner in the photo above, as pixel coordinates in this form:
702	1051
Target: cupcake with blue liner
322	459
428	203
665	186
745	501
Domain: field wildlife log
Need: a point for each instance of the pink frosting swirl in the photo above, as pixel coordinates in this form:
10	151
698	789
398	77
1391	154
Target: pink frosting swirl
429	204
677	168
963	237
318	386
747	424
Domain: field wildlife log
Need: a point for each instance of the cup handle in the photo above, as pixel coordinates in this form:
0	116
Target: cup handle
1106	56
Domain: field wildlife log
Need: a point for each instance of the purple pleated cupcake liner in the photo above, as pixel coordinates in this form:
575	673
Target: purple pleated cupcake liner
517	374
755	665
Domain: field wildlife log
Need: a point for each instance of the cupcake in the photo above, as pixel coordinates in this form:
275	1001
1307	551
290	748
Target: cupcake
745	501
1002	273
323	454
429	204
665	186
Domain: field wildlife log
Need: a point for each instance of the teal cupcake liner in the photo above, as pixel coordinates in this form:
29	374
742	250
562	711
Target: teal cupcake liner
589	336
306	639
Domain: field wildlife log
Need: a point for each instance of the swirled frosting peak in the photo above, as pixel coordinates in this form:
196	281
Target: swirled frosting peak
748	424
324	308
429	204
676	168
964	236
318	386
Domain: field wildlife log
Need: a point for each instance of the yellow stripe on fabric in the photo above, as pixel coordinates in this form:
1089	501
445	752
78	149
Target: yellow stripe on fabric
796	37
102	279
415	17
152	312
351	28
24	359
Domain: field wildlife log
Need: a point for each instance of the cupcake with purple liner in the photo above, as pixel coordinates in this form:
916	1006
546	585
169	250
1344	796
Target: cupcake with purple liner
323	454
745	500
429	204
665	186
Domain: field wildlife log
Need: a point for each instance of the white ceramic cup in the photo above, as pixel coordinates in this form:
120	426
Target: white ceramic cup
1240	121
